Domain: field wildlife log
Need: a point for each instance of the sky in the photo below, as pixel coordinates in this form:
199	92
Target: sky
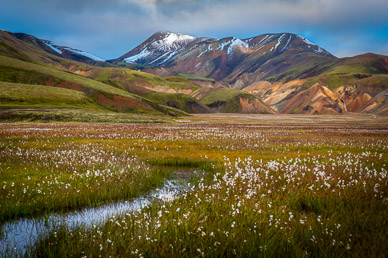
110	28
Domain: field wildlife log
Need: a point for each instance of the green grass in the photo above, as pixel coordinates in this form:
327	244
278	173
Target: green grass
124	78
12	70
270	189
227	96
9	51
59	176
333	73
71	115
301	65
14	94
17	71
335	80
190	76
178	100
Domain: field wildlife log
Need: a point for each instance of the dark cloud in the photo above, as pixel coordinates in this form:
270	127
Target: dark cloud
111	28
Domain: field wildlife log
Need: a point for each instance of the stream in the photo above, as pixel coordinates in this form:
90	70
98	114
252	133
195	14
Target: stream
18	236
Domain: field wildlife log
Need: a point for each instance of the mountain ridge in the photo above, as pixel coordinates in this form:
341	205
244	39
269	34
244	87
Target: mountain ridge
58	50
219	59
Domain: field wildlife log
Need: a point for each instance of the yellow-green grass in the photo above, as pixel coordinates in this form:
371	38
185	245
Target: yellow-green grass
23	72
180	101
16	94
227	96
194	77
43	173
270	188
281	216
29	114
17	71
334	80
123	78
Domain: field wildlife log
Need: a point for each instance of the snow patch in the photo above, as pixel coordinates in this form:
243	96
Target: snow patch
306	41
279	41
168	58
143	54
319	50
198	64
263	39
172	42
288	41
52	46
60	49
203	52
236	43
266	39
160	57
83	53
172	37
222	45
233	43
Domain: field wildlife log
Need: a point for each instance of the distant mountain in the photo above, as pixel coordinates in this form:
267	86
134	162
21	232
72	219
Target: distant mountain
271	73
286	71
62	51
224	59
162	48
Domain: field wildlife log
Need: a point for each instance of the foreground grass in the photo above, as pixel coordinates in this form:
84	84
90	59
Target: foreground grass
271	191
42	173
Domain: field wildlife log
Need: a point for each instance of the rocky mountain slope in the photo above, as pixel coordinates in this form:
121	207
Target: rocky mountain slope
285	71
62	51
225	59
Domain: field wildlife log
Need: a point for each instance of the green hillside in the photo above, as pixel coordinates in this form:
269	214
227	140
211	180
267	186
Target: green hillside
180	101
22	95
226	99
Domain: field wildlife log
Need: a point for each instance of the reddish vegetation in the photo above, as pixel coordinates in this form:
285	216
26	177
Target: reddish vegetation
62	84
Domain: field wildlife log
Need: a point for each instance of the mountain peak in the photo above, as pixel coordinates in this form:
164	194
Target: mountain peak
169	41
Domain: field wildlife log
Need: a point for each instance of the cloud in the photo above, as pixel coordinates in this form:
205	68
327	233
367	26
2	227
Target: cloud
111	28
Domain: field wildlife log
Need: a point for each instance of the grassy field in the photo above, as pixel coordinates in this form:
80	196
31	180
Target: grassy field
12	94
17	114
273	185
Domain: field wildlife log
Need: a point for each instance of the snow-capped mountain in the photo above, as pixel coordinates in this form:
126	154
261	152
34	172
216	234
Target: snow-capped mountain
62	51
162	47
226	58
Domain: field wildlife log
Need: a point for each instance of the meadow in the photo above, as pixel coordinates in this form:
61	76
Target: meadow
267	185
